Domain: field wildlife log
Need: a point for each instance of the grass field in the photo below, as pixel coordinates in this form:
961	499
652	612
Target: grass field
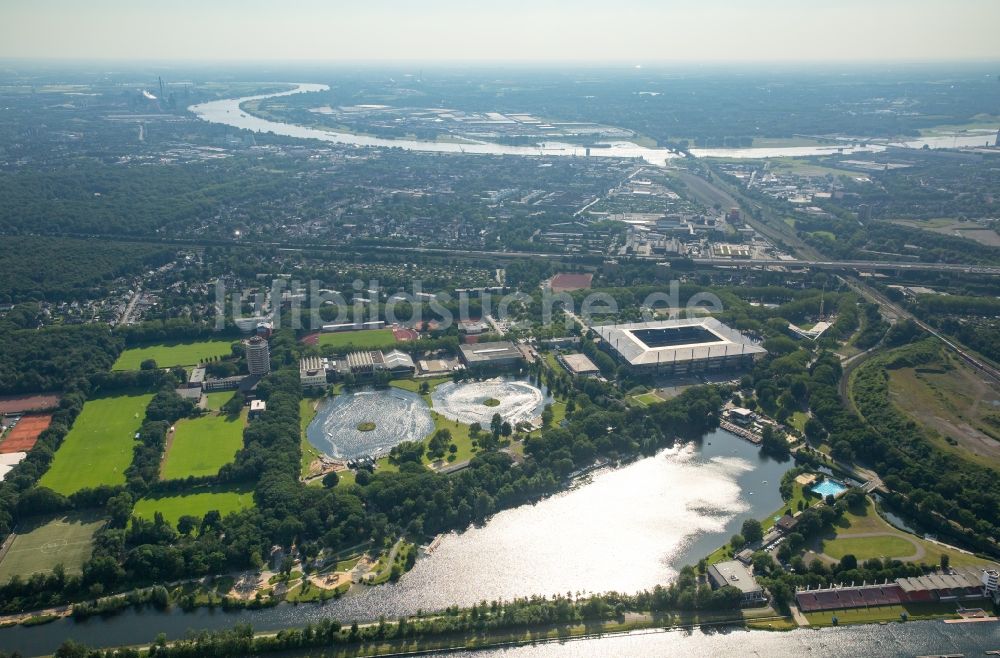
306	413
168	355
866	547
39	547
98	448
369	339
886	541
201	446
954	404
195	504
647	399
214	401
913	611
798	420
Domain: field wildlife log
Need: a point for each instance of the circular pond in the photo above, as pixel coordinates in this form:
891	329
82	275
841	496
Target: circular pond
368	422
475	402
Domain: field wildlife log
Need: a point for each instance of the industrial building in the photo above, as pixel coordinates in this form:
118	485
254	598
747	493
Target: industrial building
578	364
398	362
364	363
258	355
679	346
312	371
736	574
499	354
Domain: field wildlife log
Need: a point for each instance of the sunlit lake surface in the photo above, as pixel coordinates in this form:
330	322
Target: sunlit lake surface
515	400
624	529
398	416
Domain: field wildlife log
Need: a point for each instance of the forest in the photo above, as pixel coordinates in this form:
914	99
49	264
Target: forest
58	269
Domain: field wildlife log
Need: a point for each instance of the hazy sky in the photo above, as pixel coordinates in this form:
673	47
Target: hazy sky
634	31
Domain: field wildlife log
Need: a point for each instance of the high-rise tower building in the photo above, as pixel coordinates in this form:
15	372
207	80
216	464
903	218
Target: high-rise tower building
258	356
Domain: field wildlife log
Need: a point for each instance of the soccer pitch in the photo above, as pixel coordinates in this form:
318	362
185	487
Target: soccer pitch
201	446
40	546
169	355
195	504
98	448
369	339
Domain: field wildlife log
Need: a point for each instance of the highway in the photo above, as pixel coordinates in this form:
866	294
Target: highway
853	264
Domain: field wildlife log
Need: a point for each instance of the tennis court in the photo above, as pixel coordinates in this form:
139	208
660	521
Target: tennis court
24	435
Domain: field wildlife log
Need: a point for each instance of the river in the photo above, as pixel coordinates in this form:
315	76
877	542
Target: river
229	113
623	529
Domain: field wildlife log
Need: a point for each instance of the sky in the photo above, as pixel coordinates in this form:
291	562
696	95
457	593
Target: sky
467	31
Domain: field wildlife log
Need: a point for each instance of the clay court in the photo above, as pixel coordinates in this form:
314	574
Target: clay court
310	339
20	404
24	435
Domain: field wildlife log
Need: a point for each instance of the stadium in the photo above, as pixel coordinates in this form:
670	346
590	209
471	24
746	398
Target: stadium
679	346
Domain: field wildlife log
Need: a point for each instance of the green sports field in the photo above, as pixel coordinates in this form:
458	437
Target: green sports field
40	546
195	504
369	339
168	355
98	448
201	446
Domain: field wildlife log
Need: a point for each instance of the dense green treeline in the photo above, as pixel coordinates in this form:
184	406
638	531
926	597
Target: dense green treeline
932	481
57	269
33	361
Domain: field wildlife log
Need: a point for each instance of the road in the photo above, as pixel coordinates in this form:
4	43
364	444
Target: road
126	317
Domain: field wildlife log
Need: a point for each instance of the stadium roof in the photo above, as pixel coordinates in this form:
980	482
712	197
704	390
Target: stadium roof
676	341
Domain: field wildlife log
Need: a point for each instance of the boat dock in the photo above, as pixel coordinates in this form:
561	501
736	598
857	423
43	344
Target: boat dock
741	432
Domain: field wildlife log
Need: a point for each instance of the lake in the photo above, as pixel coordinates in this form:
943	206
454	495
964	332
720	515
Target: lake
623	529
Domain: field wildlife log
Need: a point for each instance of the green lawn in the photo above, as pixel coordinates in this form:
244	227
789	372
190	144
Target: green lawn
865	548
798	420
39	546
195	504
413	385
201	446
368	339
459	436
98	448
309	452
647	399
798	494
168	355
894	543
214	401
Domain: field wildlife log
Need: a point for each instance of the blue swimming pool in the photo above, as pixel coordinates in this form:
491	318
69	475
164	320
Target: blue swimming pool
829	488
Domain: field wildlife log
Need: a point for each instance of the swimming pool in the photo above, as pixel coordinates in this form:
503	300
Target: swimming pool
829	488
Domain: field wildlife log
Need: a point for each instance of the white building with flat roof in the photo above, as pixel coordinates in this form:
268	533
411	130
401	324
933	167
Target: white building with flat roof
736	574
